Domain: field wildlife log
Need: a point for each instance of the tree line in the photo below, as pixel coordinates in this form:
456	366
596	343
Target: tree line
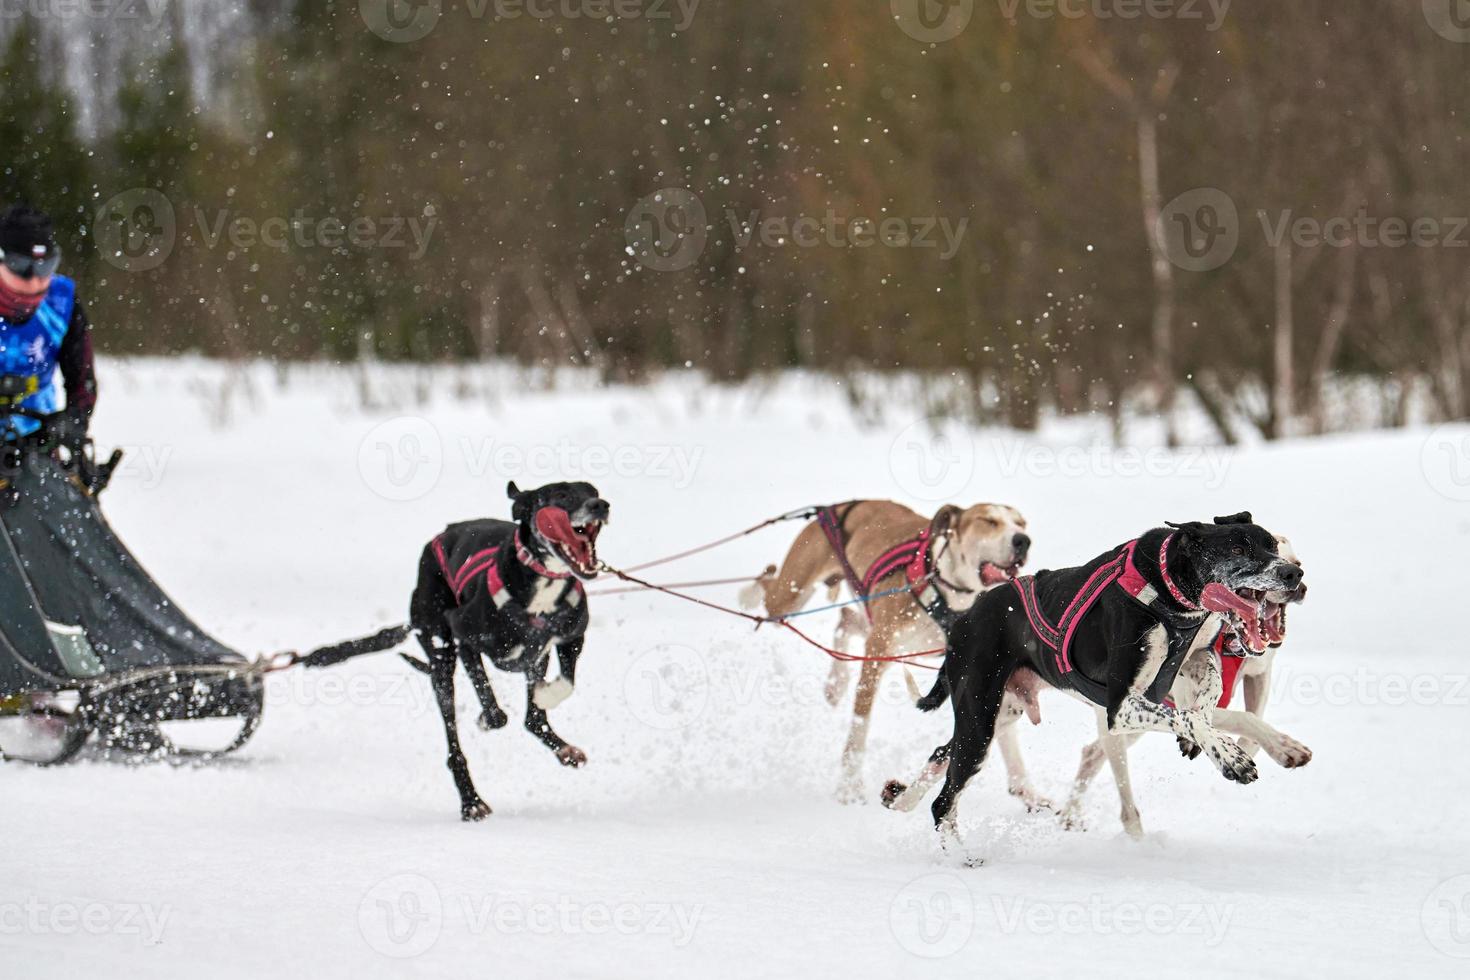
1051	206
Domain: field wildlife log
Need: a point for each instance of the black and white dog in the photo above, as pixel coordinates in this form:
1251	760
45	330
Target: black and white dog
506	592
1114	631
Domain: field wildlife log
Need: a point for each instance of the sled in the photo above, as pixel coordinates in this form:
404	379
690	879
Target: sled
89	643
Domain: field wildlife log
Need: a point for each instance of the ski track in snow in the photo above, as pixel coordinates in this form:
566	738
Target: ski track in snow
702	839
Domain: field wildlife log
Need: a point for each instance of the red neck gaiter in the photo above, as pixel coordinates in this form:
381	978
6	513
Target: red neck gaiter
18	307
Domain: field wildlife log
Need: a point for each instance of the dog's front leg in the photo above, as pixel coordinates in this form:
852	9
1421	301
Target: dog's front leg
539	725
491	714
1284	750
549	694
1256	688
1137	713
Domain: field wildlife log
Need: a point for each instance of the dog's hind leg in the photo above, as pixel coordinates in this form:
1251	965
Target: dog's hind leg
1018	784
441	671
492	716
1093	757
852	632
850	788
1255	688
974	727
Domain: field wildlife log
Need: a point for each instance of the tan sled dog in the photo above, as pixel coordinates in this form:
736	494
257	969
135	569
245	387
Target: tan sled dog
862	545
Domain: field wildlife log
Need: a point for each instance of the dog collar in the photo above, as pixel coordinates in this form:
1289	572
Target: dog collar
524	556
1174	590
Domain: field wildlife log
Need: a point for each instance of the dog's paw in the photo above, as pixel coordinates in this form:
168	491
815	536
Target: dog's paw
892	790
474	811
1190	750
836	686
549	694
1234	764
1034	801
571	756
491	719
850	793
1070	817
1288	752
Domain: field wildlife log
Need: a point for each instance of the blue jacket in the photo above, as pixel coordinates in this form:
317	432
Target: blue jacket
32	349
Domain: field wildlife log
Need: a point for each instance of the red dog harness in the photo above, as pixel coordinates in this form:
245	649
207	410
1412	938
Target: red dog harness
1120	570
912	556
485	561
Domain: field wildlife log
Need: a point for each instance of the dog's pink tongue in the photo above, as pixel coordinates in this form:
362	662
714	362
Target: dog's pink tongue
555	525
992	574
1217	598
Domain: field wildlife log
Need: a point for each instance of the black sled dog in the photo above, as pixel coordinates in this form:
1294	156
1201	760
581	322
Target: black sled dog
506	592
1114	632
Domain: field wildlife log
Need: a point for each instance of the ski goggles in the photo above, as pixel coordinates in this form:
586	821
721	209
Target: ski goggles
29	266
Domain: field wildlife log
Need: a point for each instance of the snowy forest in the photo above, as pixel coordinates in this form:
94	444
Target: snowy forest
1255	206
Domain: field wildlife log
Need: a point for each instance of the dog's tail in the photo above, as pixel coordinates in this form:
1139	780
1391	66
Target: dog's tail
753	596
330	656
936	696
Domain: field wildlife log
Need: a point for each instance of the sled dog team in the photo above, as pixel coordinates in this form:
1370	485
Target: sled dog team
1154	634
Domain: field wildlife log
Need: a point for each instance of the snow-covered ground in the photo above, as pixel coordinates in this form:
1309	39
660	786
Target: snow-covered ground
703	839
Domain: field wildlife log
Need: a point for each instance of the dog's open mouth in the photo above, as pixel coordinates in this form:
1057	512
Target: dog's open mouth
1257	618
575	544
992	574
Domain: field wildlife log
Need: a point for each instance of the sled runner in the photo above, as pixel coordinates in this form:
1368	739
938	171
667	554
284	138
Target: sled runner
89	643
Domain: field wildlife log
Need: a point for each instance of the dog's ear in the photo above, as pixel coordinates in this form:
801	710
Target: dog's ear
511	490
1244	517
1189	531
945	520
